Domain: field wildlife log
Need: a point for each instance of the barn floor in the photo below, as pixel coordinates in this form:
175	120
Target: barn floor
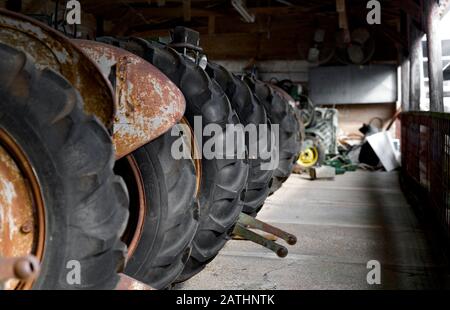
340	225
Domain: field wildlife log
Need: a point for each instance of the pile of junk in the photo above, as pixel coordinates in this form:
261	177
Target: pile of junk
326	151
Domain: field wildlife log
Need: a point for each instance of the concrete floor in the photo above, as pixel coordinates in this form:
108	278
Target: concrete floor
340	225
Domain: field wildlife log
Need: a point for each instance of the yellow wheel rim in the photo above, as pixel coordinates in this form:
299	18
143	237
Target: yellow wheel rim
308	157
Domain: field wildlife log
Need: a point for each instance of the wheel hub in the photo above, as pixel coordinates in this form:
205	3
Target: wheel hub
139	209
22	225
195	155
308	157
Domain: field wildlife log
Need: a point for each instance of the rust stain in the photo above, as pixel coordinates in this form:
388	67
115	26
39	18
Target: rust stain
283	94
50	49
147	102
15	211
22	214
127	283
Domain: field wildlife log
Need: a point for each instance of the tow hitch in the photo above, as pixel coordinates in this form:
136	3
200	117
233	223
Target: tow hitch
246	222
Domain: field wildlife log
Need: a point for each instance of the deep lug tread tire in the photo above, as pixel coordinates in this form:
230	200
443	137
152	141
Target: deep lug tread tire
223	180
172	214
249	111
86	205
280	112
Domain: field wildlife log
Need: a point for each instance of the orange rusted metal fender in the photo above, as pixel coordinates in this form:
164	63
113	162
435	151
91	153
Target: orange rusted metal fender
50	49
148	103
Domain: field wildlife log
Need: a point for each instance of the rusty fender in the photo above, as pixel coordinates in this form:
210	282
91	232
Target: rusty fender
148	103
282	93
50	49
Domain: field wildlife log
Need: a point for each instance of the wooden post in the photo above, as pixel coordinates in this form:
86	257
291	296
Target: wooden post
100	29
405	76
404	56
187	10
434	47
211	24
343	20
415	64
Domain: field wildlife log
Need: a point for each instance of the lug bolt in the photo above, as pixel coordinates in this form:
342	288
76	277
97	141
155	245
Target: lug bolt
26	228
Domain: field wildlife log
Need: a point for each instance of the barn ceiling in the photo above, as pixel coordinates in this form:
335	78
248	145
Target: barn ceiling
282	29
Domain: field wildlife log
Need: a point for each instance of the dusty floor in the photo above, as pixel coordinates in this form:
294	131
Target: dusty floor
340	225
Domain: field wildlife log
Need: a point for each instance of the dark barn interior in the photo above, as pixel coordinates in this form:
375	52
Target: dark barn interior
379	68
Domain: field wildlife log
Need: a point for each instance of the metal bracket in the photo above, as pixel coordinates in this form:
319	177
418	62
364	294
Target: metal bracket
242	229
20	268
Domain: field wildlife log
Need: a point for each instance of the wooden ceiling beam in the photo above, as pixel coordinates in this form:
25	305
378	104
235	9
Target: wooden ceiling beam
179	12
343	19
94	4
394	35
187	10
413	9
211	24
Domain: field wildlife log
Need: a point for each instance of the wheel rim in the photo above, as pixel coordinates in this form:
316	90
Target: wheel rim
128	169
308	157
22	220
195	155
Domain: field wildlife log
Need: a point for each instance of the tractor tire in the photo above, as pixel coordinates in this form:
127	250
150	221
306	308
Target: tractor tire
249	111
223	180
86	204
280	112
301	124
171	215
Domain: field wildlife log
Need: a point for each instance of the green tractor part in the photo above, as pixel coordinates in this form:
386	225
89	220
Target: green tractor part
342	164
